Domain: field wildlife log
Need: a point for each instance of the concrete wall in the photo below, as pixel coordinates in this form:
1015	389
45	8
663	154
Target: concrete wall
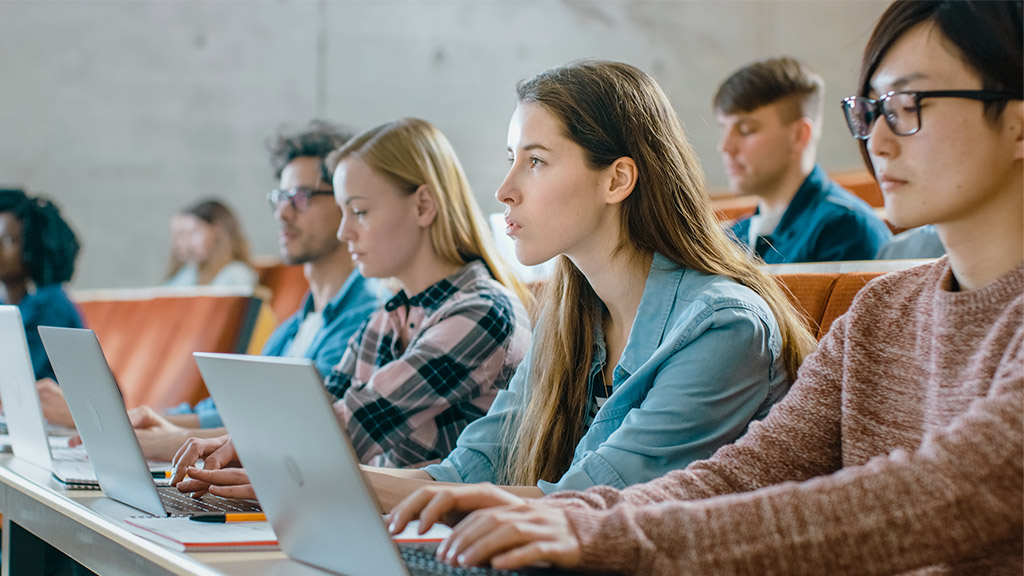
127	111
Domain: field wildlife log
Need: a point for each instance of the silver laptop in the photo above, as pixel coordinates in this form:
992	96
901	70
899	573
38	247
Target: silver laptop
99	412
26	427
306	472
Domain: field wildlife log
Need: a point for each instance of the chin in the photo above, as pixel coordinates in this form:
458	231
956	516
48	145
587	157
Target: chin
906	218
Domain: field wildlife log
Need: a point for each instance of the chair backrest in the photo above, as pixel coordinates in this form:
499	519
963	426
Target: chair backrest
862	183
148	337
823	297
287	286
810	294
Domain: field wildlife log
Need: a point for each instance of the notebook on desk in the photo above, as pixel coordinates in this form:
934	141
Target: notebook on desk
26	428
313	493
101	418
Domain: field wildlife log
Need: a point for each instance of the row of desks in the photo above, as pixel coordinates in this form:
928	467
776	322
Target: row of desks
39	513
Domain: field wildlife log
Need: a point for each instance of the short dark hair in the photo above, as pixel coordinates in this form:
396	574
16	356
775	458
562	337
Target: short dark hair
988	36
770	81
317	141
48	244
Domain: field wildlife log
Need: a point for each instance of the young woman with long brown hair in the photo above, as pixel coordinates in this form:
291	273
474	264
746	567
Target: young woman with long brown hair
658	340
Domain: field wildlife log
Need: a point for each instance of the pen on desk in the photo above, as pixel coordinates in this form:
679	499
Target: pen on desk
237	517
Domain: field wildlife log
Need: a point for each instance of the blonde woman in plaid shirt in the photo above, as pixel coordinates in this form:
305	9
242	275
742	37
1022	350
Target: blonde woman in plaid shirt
433	358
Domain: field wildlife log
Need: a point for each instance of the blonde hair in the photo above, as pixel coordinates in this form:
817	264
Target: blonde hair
615	110
412	152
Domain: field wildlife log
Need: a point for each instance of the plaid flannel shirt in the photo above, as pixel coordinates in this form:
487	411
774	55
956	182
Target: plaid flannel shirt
405	403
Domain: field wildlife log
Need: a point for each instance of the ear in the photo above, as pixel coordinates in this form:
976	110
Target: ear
1014	118
426	205
622	179
803	133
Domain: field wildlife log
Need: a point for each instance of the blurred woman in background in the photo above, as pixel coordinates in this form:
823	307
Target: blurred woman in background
215	250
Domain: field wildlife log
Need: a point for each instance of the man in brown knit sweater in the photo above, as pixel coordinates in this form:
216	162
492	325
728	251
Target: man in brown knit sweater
900	446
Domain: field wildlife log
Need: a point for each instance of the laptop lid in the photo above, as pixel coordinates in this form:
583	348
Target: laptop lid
101	418
301	463
25	423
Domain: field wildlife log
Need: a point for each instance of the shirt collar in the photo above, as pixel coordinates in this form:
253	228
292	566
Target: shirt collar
813	187
334	307
435	295
652	315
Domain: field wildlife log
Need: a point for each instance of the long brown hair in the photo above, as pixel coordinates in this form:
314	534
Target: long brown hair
411	152
615	110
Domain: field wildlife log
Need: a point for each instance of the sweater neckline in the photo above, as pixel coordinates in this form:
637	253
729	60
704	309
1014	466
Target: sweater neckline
1003	289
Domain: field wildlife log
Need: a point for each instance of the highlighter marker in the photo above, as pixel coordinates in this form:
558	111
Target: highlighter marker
236	517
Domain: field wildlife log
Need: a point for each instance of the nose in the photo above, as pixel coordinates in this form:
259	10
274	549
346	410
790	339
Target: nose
882	141
507	192
726	143
283	211
345	228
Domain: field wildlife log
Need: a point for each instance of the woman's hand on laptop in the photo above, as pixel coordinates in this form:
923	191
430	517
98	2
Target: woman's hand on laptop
447	504
214	477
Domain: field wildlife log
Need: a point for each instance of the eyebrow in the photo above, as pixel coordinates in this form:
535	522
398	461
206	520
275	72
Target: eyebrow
901	82
351	198
529	147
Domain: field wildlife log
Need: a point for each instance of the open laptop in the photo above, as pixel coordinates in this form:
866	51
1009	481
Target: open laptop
305	471
99	412
26	427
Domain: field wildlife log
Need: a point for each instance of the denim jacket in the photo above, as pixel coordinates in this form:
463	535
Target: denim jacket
702	360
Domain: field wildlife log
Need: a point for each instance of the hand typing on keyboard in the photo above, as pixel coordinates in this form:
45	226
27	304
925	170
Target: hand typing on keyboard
221	474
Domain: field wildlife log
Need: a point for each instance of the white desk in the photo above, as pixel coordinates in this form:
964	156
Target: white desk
87	526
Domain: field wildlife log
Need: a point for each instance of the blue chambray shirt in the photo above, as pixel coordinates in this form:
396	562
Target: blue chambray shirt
350	307
702	360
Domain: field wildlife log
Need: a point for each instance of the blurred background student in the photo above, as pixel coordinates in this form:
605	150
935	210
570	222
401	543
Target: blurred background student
37	256
214	250
181	238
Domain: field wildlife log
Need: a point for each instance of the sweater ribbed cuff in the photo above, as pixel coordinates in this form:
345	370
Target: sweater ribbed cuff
600	534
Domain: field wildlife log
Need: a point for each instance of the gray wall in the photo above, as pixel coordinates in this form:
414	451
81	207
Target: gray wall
127	111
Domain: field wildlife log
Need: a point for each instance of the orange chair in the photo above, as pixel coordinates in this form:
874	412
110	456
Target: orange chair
287	286
823	297
148	341
846	288
809	293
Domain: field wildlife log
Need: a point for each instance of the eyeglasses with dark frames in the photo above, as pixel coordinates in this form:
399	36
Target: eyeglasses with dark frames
299	197
902	110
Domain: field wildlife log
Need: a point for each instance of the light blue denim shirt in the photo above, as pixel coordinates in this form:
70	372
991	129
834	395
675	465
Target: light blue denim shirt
701	362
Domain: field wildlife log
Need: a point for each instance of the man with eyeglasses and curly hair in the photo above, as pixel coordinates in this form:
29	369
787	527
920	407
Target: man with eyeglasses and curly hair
339	298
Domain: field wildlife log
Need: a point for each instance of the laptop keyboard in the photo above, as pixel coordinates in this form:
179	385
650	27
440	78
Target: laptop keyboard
182	504
421	561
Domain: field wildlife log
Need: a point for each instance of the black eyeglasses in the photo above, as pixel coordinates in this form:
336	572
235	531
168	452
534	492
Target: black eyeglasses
299	197
902	110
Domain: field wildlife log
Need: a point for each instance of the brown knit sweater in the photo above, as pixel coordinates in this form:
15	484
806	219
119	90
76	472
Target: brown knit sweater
898	449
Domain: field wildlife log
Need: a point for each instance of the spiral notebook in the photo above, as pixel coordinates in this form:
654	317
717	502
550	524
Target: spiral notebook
186	535
180	533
